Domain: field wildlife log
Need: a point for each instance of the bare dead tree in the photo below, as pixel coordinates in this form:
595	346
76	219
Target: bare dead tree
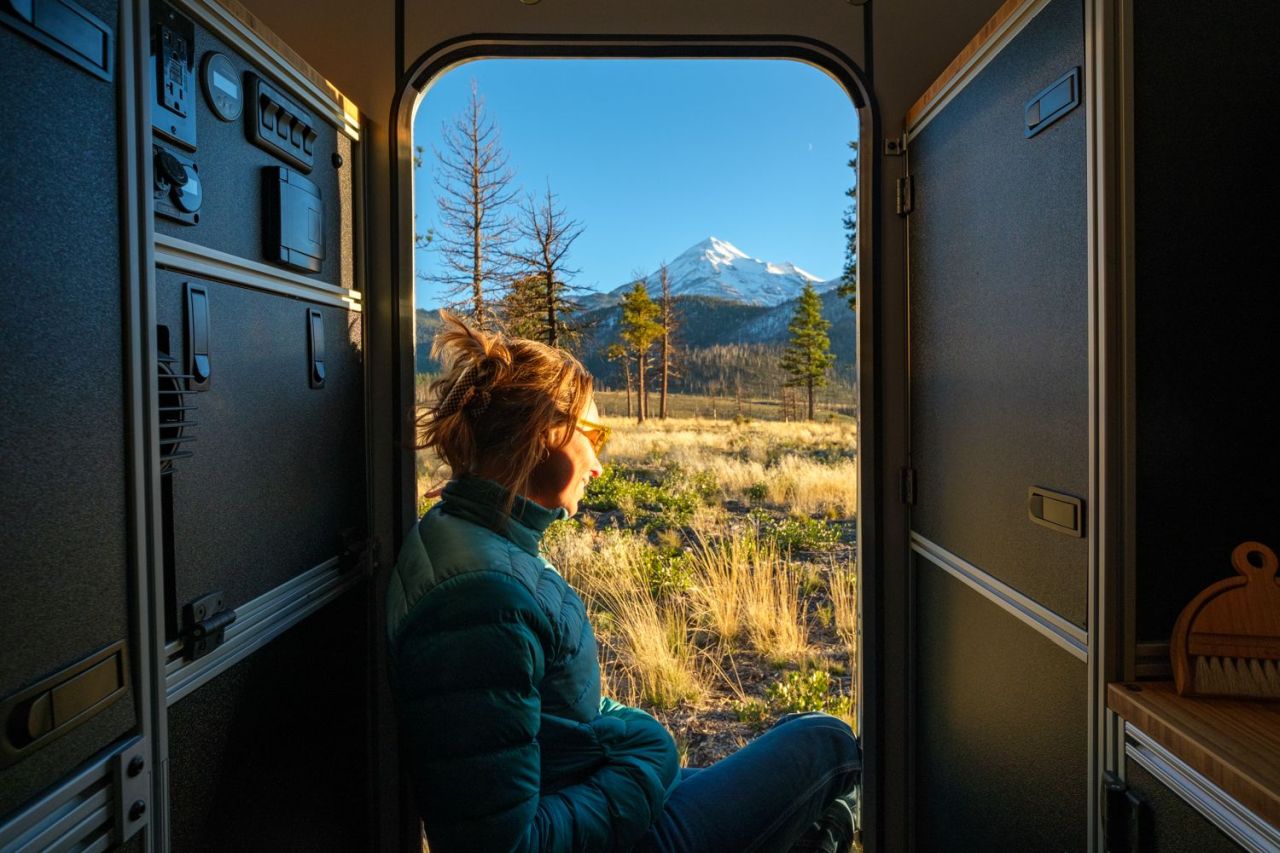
667	317
541	287
474	231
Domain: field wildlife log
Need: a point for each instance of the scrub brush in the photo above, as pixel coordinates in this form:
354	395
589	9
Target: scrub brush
1226	642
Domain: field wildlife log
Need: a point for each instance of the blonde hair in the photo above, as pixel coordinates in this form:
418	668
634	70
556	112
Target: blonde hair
498	400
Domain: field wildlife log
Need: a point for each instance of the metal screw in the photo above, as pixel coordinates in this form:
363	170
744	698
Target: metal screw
136	765
337	160
137	810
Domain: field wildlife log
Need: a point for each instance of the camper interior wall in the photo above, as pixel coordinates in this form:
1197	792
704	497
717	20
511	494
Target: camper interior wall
901	47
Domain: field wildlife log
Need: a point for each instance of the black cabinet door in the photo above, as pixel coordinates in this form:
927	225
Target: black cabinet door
65	642
999	443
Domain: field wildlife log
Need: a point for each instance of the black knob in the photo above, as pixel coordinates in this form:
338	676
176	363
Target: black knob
136	764
137	810
170	168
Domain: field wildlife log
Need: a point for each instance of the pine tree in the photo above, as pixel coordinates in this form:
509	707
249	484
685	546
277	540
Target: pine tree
519	307
848	287
808	357
474	231
543	279
640	330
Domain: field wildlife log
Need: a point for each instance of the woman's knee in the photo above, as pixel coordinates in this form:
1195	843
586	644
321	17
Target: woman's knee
824	732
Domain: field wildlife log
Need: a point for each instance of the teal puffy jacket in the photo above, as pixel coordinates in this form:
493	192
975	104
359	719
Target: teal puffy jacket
493	666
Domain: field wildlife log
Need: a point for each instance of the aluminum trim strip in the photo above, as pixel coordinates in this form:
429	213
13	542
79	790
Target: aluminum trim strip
263	624
263	607
1071	638
181	256
1007	32
335	107
103	843
89	817
1224	811
50	819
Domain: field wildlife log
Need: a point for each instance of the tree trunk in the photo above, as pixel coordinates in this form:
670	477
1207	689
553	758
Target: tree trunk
477	269
662	401
553	334
642	398
626	370
810	399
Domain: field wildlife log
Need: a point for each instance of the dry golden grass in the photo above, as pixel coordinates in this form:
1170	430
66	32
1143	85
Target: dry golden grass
648	655
783	459
843	588
746	590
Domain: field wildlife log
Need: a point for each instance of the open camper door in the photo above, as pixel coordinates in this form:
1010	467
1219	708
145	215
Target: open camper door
999	473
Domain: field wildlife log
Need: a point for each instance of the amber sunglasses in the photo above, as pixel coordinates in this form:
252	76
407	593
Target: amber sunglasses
596	433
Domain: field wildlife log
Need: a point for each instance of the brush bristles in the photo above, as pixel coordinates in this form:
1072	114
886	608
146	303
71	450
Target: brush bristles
1250	677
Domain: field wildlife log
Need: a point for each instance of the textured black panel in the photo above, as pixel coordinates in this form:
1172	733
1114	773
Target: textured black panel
278	470
1001	730
1207	311
231	175
271	754
63	581
1169	824
999	336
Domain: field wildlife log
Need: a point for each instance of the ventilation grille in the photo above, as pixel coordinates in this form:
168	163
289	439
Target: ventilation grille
177	410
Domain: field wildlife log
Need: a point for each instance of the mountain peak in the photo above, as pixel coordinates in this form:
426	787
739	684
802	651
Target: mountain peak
717	251
717	268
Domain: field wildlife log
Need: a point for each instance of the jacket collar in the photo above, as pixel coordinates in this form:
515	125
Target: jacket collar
480	501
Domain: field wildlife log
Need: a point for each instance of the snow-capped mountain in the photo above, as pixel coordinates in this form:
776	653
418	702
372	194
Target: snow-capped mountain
717	268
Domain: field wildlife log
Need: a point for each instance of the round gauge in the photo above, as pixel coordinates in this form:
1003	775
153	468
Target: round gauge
222	87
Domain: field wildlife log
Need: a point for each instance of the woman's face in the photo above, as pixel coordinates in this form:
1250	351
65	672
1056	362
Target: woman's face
561	479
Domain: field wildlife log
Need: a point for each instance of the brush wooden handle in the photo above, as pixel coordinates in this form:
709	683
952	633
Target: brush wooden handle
1237	617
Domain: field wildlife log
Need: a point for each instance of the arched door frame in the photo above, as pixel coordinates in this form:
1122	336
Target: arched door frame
870	558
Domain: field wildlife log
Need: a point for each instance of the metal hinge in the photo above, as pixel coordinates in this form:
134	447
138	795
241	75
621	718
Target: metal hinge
906	195
907	486
895	147
358	552
1122	819
205	624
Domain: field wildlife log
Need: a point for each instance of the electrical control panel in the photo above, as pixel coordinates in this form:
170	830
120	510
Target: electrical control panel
176	190
173	75
280	126
294	220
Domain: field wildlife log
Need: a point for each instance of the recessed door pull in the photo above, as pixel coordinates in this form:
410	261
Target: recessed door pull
315	346
61	702
199	368
1056	511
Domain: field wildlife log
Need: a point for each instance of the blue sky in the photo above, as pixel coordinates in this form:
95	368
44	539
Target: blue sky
654	155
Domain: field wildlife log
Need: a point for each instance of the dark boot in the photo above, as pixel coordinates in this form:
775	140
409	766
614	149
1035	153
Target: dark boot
834	831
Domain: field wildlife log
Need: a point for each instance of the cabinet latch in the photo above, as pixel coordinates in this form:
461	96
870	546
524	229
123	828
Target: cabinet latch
1121	816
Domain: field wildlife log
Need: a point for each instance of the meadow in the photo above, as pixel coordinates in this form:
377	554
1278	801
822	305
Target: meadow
716	560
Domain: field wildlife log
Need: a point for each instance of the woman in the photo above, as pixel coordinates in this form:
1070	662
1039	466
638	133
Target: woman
493	663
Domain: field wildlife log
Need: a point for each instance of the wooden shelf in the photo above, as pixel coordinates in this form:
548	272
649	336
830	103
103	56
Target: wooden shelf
1233	743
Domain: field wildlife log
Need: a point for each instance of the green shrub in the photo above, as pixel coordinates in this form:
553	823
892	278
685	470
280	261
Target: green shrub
811	691
652	507
753	712
667	572
757	492
796	533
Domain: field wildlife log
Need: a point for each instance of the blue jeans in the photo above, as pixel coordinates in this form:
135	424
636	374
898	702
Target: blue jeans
762	798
